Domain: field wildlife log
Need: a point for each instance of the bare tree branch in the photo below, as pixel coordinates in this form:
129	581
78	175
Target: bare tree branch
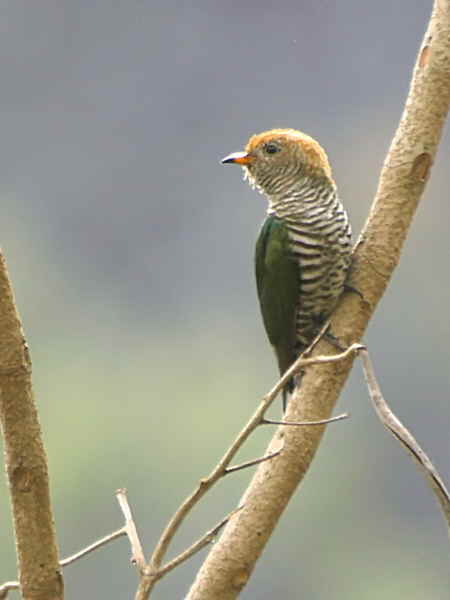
252	463
14	585
399	431
137	554
148	575
94	546
129	529
206	539
26	463
406	169
151	573
220	469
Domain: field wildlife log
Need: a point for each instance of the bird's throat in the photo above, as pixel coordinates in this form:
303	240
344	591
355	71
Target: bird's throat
302	197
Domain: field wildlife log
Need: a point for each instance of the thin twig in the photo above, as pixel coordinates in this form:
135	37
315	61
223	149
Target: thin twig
137	554
13	585
300	363
251	463
399	431
206	539
129	529
220	469
302	423
6	587
98	544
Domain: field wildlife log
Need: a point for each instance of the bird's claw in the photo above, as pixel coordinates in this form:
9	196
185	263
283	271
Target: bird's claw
350	288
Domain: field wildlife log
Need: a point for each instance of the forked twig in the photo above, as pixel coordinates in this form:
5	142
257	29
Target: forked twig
301	362
14	585
399	431
221	468
153	571
206	539
137	554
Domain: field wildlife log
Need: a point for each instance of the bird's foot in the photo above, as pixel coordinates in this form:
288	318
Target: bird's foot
353	290
298	378
333	340
289	389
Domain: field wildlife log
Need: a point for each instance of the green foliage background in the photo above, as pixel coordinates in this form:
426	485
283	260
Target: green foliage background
130	249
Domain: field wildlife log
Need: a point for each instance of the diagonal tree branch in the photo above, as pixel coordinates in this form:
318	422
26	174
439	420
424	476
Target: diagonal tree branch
26	463
148	574
232	559
151	573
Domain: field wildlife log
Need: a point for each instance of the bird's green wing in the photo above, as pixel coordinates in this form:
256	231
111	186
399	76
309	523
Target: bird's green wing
278	281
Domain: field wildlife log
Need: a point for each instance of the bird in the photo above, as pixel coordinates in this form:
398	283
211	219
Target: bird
303	251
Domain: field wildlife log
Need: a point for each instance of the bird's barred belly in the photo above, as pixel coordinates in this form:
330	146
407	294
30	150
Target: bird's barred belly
323	266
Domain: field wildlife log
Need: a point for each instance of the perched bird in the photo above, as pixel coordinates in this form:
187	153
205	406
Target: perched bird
303	251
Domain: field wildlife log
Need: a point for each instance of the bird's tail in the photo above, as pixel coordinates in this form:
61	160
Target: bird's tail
287	391
286	357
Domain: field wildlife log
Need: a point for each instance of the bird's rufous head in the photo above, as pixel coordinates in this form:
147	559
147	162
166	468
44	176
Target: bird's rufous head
281	152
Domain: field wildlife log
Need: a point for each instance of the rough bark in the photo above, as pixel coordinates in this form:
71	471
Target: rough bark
25	459
232	559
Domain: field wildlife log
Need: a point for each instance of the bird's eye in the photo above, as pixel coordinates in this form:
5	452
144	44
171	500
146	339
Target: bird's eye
271	148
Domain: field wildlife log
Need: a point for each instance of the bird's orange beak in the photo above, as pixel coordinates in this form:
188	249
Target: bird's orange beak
239	158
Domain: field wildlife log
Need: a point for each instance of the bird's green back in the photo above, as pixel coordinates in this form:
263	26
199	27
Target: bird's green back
278	281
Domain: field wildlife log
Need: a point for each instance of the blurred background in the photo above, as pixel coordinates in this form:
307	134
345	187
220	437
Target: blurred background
131	252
